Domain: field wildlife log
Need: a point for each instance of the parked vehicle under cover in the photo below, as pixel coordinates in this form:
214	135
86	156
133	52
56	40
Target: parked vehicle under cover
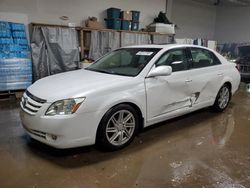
243	62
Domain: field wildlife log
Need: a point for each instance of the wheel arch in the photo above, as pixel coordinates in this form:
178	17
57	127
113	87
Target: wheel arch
216	106
133	105
229	85
141	122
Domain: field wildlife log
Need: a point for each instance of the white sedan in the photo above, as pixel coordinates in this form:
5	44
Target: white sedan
128	89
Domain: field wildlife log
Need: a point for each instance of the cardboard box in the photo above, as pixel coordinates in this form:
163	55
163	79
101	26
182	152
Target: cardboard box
126	15
94	24
162	28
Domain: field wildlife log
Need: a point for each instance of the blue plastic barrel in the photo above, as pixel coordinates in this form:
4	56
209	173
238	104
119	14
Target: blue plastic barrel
125	25
113	13
113	24
135	16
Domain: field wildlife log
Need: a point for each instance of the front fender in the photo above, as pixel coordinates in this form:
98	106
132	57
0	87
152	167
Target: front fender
100	102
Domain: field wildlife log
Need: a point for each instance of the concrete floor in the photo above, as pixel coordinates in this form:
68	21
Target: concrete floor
202	149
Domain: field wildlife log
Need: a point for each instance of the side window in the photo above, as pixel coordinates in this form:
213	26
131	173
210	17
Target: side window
175	58
203	58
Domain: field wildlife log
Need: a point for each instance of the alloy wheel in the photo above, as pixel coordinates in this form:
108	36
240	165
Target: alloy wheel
120	127
224	97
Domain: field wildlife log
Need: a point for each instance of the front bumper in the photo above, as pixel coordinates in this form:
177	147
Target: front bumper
61	131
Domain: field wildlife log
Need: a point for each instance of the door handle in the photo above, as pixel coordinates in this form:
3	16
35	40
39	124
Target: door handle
188	80
220	74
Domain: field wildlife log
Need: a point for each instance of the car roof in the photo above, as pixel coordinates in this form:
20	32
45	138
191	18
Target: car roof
166	46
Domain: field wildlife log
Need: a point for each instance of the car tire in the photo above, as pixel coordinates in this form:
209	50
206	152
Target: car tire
117	128
222	99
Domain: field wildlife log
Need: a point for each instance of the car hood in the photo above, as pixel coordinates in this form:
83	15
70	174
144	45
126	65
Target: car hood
74	84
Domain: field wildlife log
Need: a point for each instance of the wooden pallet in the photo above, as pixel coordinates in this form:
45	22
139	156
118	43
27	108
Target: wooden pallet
9	94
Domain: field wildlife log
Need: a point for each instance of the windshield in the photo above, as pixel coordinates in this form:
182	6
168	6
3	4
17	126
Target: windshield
125	61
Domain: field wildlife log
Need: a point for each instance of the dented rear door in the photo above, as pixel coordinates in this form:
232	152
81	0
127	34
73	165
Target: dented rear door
205	76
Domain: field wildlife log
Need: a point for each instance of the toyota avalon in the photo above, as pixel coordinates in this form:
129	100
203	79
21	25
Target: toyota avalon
128	89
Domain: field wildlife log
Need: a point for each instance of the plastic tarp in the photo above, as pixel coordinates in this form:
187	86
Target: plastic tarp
128	39
54	50
162	39
103	42
184	41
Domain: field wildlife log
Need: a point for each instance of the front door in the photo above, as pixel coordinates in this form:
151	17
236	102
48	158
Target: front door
167	94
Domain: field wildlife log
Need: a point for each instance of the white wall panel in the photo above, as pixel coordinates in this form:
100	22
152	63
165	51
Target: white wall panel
232	24
49	11
195	20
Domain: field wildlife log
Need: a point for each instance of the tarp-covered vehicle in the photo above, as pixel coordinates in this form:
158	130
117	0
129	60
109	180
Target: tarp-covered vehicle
243	62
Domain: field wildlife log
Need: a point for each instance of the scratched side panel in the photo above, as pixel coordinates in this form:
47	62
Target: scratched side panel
166	94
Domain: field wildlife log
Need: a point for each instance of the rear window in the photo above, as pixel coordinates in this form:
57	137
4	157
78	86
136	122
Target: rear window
203	58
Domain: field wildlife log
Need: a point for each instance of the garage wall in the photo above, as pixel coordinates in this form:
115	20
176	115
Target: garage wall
195	20
49	11
232	24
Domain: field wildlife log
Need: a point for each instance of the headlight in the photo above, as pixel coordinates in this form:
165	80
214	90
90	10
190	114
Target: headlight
64	107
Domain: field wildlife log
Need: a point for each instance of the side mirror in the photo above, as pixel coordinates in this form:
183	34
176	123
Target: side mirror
160	71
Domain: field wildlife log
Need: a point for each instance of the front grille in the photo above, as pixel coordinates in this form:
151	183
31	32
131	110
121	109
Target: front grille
244	68
30	103
39	100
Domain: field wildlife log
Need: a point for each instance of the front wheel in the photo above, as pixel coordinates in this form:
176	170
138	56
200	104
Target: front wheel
222	99
118	127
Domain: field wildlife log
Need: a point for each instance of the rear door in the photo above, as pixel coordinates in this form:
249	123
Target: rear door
205	75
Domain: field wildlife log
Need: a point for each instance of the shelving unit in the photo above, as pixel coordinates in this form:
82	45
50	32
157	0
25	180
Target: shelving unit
85	35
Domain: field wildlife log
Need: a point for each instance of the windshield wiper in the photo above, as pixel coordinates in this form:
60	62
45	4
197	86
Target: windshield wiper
108	72
102	71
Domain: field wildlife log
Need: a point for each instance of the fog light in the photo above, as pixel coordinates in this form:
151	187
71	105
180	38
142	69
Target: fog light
50	137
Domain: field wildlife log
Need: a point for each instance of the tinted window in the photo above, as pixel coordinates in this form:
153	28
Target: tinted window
126	61
203	58
175	58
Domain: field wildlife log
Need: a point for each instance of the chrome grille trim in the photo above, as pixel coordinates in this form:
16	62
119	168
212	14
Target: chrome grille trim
29	109
37	99
33	105
30	103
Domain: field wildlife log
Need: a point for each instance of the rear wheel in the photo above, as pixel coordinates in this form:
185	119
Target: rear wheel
118	127
223	98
